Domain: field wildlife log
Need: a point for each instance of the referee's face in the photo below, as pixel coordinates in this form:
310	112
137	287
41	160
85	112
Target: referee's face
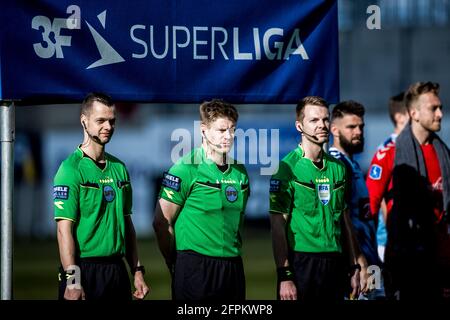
220	134
100	122
315	124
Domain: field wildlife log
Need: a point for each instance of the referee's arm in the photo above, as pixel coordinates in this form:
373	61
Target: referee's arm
288	291
165	214
66	244
356	255
132	257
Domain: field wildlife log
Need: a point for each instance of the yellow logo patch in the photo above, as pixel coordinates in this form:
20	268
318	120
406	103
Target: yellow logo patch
169	193
59	204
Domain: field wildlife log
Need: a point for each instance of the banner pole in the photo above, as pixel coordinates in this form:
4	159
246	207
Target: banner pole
7	128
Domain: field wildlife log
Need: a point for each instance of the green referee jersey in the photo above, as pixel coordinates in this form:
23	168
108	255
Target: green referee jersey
313	198
212	204
96	200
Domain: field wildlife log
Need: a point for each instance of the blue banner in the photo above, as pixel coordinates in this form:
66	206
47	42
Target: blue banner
252	51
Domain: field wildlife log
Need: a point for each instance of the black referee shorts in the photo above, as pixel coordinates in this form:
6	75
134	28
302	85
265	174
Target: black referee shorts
102	278
319	276
200	277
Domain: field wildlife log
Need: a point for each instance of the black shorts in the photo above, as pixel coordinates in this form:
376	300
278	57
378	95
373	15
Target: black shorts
200	277
101	278
319	276
416	277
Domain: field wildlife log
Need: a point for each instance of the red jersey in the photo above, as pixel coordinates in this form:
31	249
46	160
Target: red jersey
435	179
379	178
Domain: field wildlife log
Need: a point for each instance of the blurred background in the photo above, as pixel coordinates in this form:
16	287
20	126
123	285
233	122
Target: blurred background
412	45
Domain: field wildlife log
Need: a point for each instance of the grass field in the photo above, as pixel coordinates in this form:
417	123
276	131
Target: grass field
36	264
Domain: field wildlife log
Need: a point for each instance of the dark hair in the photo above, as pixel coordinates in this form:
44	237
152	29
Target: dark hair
347	107
397	105
216	108
419	88
88	101
312	100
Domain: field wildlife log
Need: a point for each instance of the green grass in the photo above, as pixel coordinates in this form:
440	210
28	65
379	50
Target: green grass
36	265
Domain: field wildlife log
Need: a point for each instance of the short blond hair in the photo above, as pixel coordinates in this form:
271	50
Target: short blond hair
419	88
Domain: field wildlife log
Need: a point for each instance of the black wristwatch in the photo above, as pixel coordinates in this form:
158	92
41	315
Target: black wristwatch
354	267
138	268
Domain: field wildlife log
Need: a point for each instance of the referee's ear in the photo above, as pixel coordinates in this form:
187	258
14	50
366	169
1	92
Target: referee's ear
83	120
203	128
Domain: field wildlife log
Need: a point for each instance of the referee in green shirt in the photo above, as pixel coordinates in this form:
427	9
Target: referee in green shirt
309	217
199	216
92	206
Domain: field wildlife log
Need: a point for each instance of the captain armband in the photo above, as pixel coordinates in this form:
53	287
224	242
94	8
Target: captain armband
285	274
354	267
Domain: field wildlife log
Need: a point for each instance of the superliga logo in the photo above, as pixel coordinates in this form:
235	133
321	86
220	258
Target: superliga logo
205	42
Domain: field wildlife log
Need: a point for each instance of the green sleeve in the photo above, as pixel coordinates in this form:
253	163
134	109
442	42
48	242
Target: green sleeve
66	189
281	192
176	184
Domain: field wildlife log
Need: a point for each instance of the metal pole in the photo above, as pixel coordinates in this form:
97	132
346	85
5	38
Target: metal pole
7	186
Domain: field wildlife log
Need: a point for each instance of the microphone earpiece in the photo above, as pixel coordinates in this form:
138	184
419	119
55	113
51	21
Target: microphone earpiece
84	125
207	140
308	135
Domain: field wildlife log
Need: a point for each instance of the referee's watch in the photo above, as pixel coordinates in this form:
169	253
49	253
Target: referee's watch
138	268
355	267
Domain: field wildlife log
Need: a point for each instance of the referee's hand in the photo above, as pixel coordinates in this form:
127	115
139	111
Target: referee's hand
141	287
74	294
288	291
355	283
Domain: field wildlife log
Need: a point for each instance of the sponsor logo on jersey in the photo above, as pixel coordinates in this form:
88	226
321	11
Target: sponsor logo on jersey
375	172
380	155
438	185
109	193
59	205
61	192
275	185
106	180
322	180
227	181
231	193
169	193
171	181
323	190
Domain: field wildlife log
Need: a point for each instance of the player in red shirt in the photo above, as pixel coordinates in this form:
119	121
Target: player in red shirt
413	176
379	189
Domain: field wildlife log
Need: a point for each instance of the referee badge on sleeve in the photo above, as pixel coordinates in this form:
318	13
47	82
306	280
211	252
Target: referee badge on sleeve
275	185
60	192
172	182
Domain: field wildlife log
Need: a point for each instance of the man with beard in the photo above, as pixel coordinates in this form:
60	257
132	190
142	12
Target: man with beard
311	228
417	170
347	128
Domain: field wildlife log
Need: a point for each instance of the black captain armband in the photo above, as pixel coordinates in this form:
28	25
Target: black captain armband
354	267
138	268
285	274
